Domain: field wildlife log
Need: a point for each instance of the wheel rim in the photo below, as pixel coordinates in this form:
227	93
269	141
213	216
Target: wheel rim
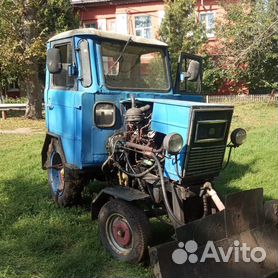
119	234
56	173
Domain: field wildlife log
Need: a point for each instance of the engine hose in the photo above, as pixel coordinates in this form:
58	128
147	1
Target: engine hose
164	192
104	164
141	187
140	175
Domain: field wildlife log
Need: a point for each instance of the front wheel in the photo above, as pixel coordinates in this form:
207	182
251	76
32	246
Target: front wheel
124	230
65	185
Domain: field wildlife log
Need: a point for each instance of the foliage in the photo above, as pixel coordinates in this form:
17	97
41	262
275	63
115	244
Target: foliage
248	42
213	75
156	75
16	100
25	26
180	30
246	47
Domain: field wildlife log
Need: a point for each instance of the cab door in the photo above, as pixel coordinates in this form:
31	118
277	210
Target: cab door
60	103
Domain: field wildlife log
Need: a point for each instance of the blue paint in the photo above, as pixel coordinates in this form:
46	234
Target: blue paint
55	175
169	117
69	113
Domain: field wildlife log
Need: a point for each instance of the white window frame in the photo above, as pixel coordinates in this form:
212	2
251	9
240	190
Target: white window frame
101	24
91	25
141	29
161	15
210	33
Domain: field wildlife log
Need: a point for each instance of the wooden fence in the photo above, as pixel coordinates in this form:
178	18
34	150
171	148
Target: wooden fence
242	98
5	107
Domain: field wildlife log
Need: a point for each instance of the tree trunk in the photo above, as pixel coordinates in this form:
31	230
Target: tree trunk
32	82
1	95
34	93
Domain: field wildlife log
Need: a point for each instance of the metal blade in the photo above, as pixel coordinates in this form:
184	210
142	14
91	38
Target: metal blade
246	219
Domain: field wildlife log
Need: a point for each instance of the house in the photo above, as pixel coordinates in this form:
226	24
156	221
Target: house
143	18
138	17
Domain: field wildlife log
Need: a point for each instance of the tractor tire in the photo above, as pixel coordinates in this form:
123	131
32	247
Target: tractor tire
124	231
65	184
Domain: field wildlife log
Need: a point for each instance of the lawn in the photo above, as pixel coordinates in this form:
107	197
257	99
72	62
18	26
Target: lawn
37	239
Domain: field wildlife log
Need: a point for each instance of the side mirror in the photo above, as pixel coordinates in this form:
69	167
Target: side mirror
189	74
54	64
193	70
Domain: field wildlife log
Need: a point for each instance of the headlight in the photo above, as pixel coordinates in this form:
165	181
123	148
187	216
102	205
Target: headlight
173	143
238	136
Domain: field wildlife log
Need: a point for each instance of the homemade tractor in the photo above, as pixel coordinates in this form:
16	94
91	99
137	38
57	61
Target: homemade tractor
113	114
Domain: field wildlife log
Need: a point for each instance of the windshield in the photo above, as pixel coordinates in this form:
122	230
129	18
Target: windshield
134	67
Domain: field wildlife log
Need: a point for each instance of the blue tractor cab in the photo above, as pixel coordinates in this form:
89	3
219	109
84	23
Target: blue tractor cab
113	113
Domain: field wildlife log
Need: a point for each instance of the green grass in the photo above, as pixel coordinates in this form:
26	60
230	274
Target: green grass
255	163
37	239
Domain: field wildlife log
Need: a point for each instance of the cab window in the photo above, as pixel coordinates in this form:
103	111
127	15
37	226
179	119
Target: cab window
63	79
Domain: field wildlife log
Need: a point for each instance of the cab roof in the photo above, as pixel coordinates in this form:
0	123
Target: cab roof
105	34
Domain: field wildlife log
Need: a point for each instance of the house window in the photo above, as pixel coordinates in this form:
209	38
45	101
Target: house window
111	24
91	25
101	24
143	26
208	20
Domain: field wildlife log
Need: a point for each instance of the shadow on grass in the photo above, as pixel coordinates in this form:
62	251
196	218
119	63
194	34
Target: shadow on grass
39	239
234	172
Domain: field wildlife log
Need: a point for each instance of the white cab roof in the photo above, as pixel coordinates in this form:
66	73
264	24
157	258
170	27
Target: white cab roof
105	34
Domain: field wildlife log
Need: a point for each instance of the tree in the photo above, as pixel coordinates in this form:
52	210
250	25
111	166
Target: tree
9	59
248	41
25	28
180	29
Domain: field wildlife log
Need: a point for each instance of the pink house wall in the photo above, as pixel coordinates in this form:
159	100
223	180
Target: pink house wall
122	17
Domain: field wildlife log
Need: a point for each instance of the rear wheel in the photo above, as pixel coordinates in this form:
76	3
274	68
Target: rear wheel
124	230
65	185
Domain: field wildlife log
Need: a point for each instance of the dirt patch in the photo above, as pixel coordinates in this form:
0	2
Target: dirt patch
22	130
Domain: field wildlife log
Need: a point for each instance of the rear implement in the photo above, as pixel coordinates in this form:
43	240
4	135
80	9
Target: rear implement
247	223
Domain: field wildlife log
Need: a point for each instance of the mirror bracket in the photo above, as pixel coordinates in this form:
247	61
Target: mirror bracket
72	70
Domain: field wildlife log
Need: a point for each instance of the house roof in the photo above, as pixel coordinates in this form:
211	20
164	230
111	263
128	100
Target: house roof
106	34
112	2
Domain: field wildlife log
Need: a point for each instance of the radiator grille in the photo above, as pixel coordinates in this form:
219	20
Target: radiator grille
204	160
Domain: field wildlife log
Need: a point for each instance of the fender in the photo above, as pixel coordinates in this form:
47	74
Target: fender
124	193
46	143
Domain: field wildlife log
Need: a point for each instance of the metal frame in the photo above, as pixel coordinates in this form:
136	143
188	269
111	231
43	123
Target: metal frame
61	43
89	62
195	109
147	90
182	57
210	139
115	114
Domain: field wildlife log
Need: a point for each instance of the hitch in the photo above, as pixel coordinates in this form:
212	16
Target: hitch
208	191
